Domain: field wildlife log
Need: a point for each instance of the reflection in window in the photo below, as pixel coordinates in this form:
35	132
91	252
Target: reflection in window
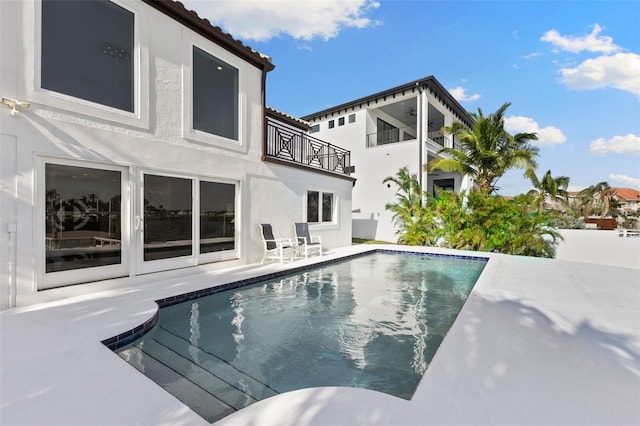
87	51
83	217
168	225
327	207
313	200
217	216
315	211
215	95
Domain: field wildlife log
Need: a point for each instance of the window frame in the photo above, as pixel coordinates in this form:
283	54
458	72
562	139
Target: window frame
212	60
334	209
46	280
140	56
190	42
222	255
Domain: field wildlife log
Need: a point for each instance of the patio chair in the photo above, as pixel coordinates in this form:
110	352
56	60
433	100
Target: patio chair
306	243
275	248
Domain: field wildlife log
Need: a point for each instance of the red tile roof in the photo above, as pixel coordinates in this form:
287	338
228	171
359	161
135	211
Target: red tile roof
627	194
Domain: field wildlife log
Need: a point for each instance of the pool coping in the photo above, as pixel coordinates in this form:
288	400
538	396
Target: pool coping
518	353
129	336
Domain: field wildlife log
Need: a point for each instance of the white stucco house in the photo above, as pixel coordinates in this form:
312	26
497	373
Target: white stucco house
385	131
134	140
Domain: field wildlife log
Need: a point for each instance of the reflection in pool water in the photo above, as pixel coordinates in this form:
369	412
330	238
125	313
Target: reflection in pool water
372	322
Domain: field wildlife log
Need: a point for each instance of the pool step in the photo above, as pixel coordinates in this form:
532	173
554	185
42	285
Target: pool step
223	370
202	402
211	386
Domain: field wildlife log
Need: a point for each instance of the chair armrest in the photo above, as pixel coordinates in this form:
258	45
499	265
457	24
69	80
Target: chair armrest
316	239
282	241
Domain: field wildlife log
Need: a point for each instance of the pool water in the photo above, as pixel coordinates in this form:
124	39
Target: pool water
371	322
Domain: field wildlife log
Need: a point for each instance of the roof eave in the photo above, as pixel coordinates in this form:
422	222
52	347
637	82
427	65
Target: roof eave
190	19
431	82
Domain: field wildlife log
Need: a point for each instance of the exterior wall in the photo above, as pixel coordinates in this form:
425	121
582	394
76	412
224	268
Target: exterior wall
372	165
156	138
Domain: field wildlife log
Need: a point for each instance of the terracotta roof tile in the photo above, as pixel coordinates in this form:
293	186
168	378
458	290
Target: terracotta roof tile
627	193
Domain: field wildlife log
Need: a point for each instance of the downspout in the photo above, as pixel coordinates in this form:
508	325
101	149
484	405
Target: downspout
264	113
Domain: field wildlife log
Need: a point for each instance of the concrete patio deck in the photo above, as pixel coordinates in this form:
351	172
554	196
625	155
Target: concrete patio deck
542	342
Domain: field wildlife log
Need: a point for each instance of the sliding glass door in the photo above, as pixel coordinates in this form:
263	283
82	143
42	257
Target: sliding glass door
217	220
85	222
185	221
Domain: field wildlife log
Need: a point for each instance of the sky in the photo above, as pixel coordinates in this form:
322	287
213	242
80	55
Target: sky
570	69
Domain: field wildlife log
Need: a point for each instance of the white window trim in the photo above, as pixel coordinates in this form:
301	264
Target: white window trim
196	258
35	93
191	40
322	225
145	267
227	254
78	276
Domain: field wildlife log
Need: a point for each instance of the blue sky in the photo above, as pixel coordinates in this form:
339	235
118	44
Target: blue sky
571	69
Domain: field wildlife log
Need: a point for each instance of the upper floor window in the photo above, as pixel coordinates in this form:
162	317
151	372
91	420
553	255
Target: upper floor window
215	95
87	51
352	118
341	121
315	128
332	124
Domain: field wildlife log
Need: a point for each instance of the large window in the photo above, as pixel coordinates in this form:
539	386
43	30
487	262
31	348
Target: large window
215	95
83	217
168	217
319	207
88	50
217	216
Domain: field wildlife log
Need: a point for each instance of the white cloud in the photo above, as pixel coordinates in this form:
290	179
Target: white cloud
305	20
621	71
629	144
626	180
531	55
546	135
460	95
591	42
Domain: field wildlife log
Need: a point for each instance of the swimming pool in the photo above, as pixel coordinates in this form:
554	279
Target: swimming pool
373	321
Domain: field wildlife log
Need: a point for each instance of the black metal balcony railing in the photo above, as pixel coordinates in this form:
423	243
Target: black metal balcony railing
291	145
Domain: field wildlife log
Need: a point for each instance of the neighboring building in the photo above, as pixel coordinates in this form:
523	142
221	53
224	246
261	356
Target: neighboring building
387	131
133	138
629	198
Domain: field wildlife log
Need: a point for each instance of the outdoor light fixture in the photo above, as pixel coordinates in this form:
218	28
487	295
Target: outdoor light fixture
15	105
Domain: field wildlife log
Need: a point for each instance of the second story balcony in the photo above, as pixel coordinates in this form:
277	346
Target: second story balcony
288	145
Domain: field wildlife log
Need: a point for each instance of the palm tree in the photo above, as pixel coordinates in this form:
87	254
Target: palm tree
599	195
414	223
487	151
548	189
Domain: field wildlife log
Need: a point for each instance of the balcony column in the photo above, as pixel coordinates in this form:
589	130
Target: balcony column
422	134
448	121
